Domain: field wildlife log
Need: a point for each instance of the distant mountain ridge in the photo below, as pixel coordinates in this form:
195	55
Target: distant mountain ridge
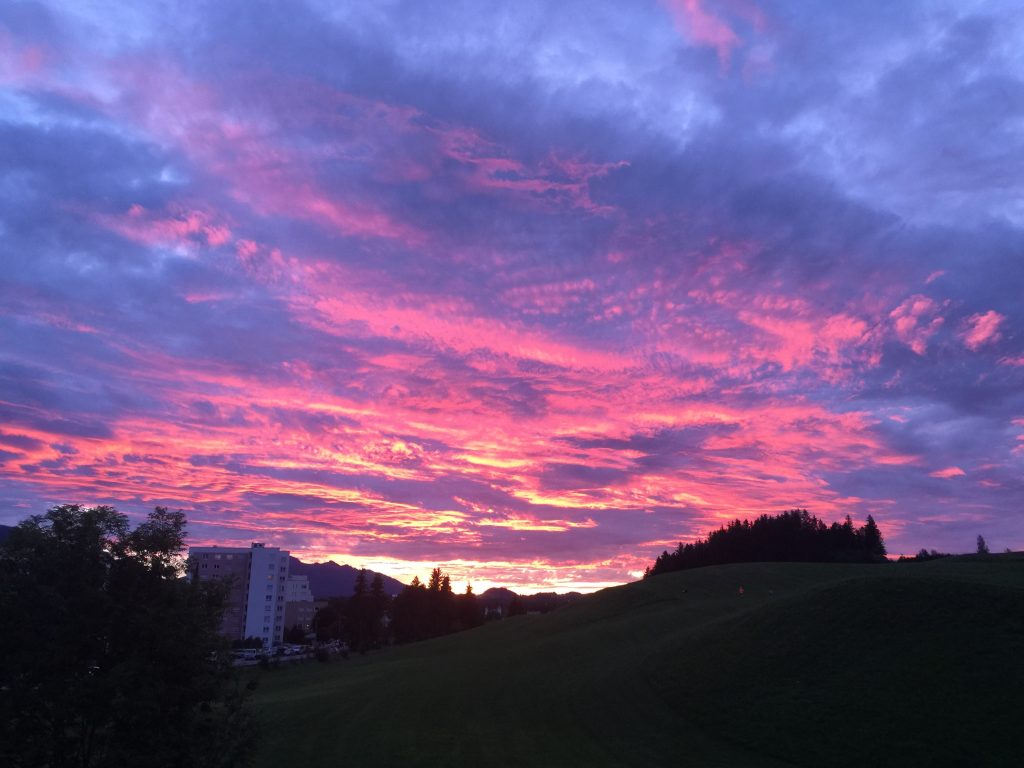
332	580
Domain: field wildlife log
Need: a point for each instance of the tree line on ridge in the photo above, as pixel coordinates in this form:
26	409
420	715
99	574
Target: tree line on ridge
793	536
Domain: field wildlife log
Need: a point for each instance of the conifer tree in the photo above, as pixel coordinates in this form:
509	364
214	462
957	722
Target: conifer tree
874	547
434	585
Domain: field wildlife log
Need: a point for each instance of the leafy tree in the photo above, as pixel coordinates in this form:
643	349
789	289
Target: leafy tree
982	546
924	555
108	656
329	620
295	634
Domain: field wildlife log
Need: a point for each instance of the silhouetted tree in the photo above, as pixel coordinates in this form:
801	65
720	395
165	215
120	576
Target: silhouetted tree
359	588
440	605
434	584
409	613
364	613
517	607
982	546
108	656
924	555
329	621
874	548
420	612
469	611
377	611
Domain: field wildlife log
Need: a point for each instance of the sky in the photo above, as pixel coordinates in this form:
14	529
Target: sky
528	290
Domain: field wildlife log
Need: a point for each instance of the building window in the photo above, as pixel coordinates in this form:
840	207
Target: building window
269	598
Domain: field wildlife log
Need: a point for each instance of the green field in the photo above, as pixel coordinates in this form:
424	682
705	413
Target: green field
815	665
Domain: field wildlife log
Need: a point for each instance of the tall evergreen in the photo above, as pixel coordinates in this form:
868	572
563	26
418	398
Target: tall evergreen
362	630
434	585
874	548
469	611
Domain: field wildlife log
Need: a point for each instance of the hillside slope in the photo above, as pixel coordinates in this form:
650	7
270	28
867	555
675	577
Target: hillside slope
919	663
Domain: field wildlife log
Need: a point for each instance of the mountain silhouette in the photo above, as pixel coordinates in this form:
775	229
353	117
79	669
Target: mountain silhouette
332	580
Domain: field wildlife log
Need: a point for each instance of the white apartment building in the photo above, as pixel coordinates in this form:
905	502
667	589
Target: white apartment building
297	590
259	579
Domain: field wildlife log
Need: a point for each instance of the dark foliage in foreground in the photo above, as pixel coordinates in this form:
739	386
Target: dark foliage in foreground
108	657
794	536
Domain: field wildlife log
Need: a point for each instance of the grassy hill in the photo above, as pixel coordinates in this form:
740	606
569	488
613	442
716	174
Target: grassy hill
815	664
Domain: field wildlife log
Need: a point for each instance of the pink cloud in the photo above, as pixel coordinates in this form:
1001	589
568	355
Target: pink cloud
703	27
185	227
915	321
563	179
22	65
982	329
948	472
